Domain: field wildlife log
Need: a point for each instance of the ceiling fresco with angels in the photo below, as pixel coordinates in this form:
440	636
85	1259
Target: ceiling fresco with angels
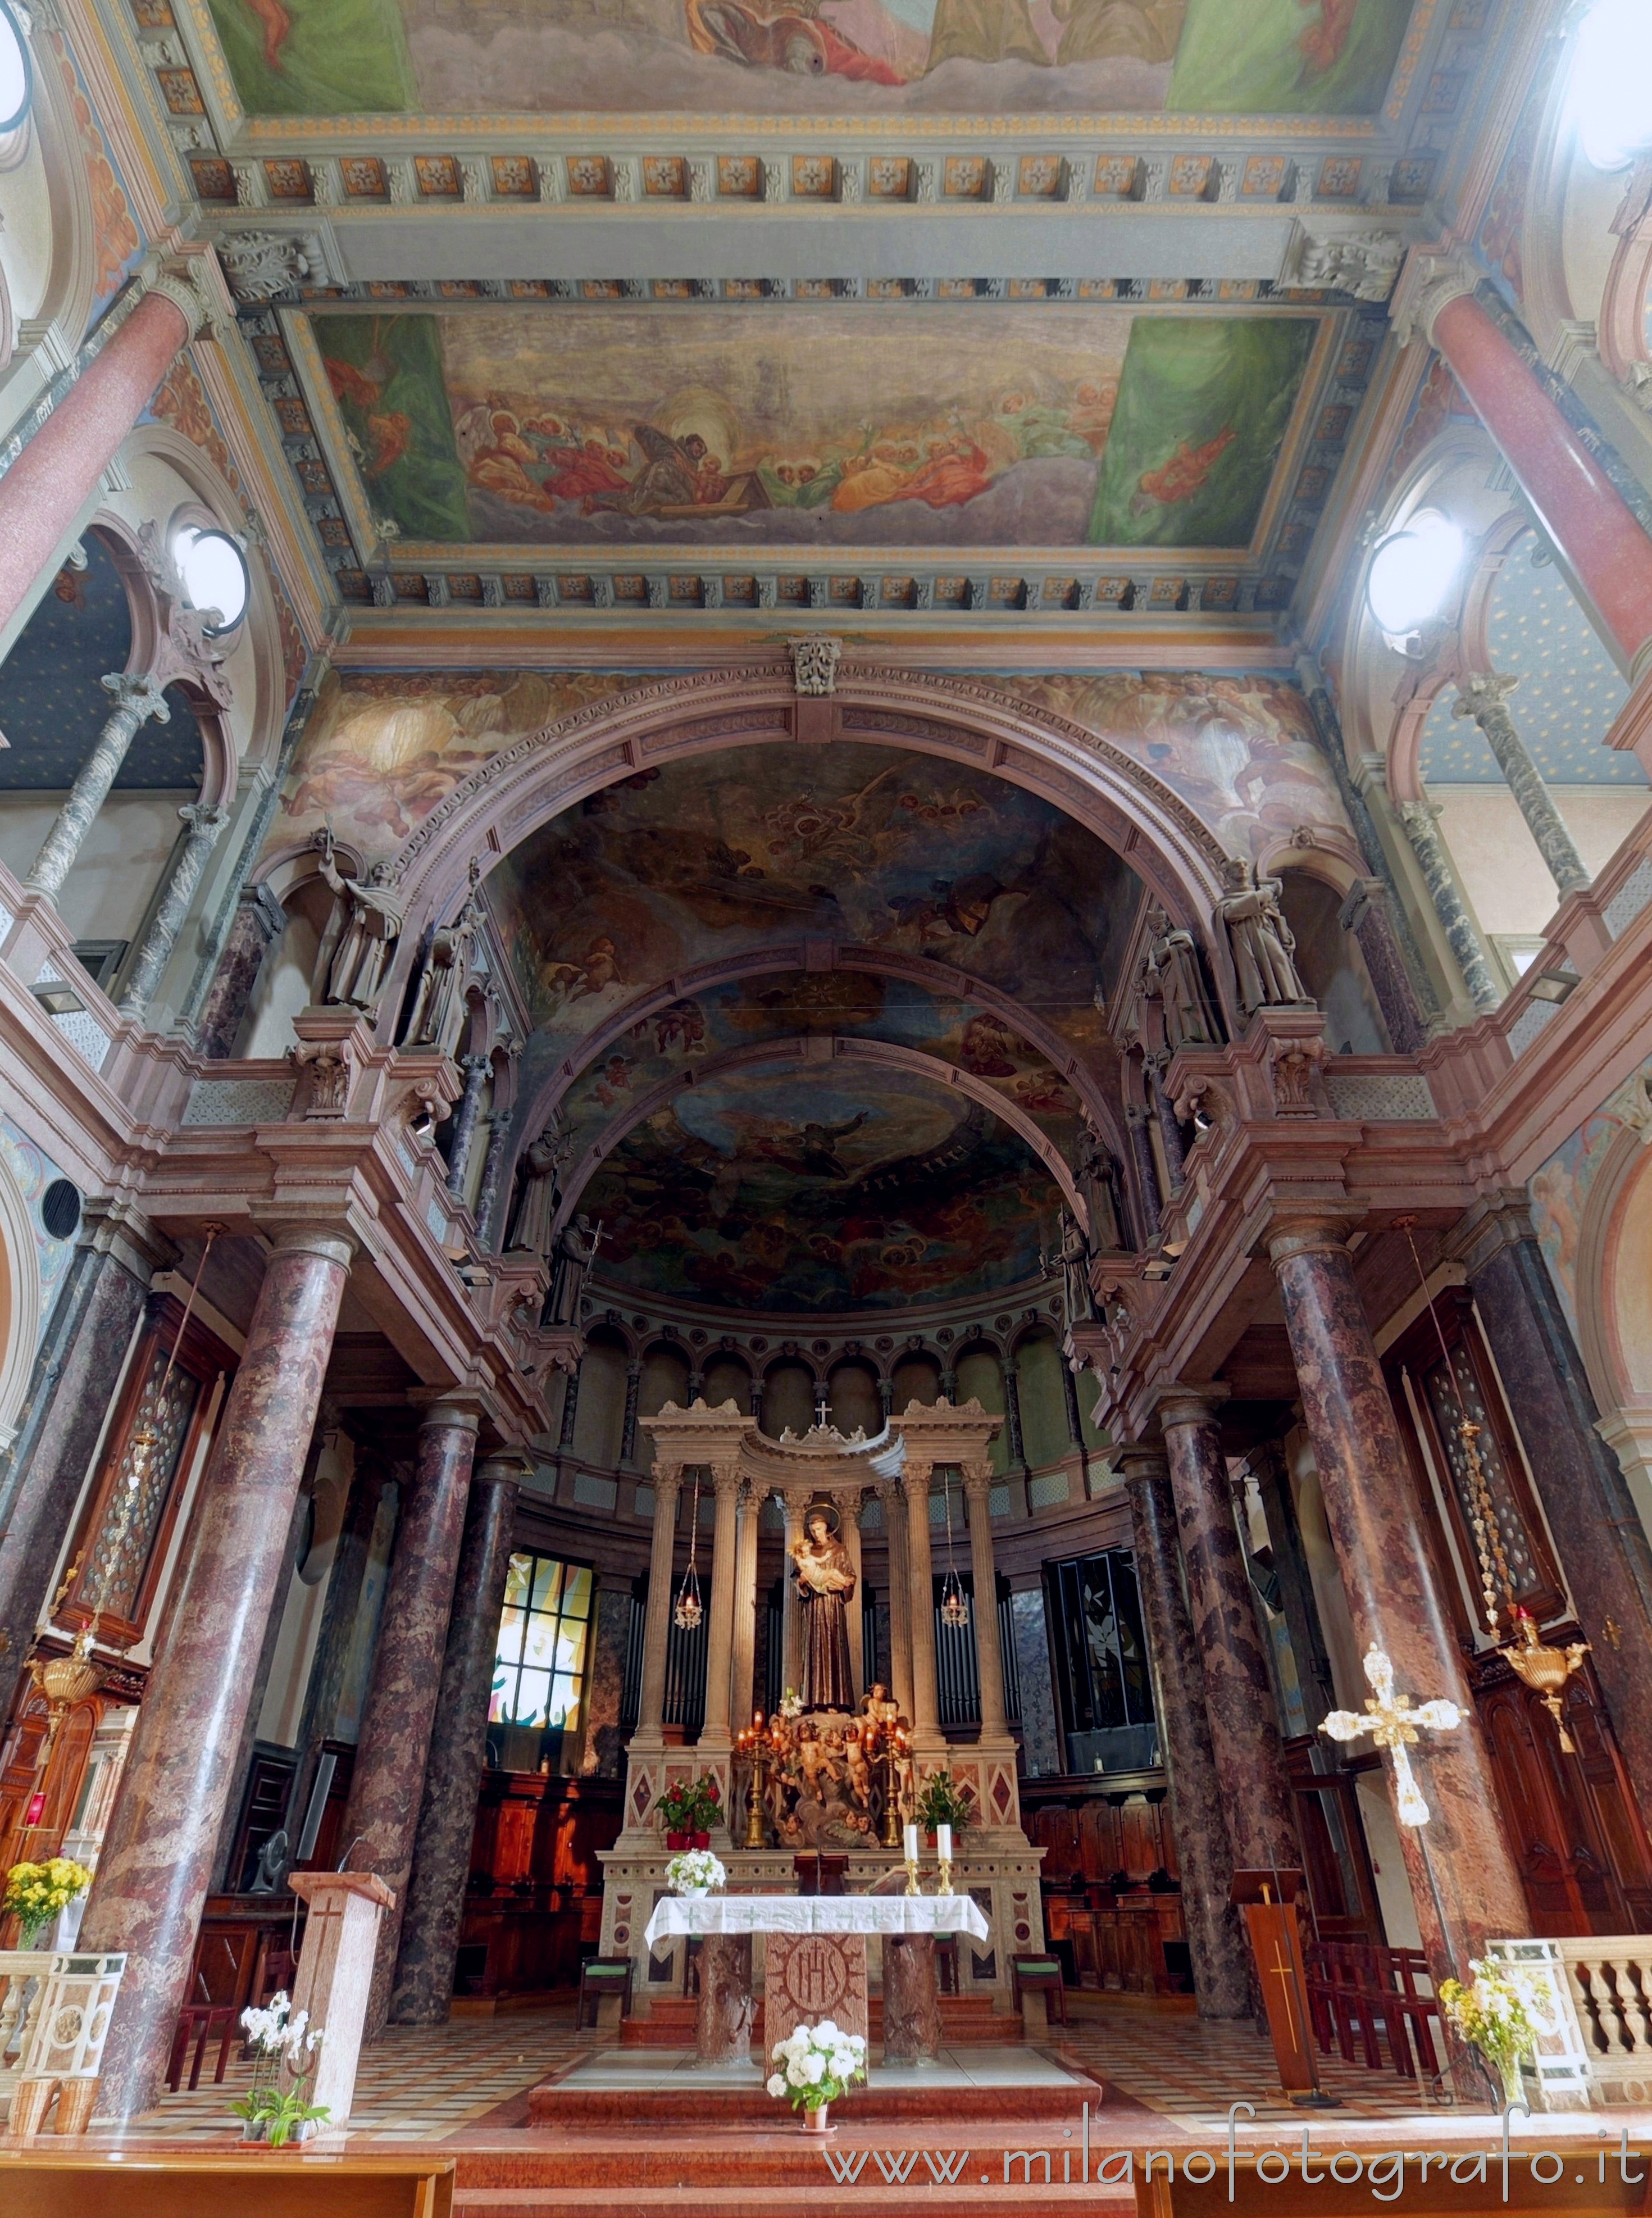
872	58
821	1187
758	428
761	850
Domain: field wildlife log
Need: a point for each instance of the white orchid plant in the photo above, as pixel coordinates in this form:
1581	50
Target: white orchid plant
273	2108
817	2065
693	1871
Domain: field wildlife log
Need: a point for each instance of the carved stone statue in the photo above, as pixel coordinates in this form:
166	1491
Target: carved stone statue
437	1016
1073	1257
576	1251
270	1877
1172	959
539	1190
1262	942
357	951
825	1584
1098	1176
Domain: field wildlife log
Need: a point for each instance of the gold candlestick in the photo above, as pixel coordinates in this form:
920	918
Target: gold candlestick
944	1879
912	1886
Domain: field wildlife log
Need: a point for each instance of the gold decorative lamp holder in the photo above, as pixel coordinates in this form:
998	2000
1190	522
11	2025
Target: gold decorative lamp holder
1544	1669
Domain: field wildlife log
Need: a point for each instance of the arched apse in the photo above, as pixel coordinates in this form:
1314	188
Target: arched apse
522	784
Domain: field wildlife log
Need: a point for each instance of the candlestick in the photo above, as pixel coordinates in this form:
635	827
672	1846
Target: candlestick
912	1886
909	1836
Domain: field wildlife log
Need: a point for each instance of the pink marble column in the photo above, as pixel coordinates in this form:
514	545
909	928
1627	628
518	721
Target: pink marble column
435	1902
1215	1941
1238	1692
156	1861
1578	505
50	482
387	1787
1464	1880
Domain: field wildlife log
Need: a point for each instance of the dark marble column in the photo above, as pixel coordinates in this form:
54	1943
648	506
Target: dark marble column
1012	1412
488	1198
157	1860
1602	1542
258	924
722	2020
447	1819
1368	914
605	1677
912	2008
75	1370
1464	1881
1147	1171
628	1423
387	1787
465	1117
1238	1688
1215	1942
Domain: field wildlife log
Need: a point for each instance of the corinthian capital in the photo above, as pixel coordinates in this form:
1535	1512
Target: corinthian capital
1428	283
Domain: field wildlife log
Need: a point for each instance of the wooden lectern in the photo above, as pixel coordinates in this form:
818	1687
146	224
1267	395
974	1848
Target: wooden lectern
335	1974
1268	1900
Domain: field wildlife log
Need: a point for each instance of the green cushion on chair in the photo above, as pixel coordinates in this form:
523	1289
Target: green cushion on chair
1026	1964
607	1972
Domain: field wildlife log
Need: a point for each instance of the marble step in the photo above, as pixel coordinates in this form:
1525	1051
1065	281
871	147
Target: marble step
670	2023
704	2163
824	2201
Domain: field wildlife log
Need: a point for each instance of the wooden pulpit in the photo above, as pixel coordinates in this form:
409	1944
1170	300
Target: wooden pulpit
335	1974
1268	1900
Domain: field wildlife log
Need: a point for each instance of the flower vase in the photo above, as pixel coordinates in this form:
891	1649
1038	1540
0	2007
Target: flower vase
695	1893
1513	2085
676	1840
34	1937
814	2121
701	1840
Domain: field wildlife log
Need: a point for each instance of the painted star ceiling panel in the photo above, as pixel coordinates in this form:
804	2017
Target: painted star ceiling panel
811	57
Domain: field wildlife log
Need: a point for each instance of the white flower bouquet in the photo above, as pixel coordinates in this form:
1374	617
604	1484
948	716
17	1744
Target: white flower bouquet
817	2065
694	1871
1502	2012
275	2108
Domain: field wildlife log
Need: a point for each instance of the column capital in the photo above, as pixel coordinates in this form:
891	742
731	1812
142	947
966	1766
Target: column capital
137	691
1483	696
1141	1462
1429	284
1176	1405
915	1474
667	1477
175	282
203	819
977	1481
507	1469
1307	1235
726	1477
330	1241
447	1409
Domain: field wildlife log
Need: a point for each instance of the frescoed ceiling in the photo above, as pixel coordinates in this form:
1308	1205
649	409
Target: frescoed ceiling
811	57
812	1191
830	1022
956	314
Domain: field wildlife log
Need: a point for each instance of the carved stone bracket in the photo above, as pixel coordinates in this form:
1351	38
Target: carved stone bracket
814	663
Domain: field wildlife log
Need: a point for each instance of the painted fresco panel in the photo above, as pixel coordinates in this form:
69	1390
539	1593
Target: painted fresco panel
725	854
758	427
811	57
818	1189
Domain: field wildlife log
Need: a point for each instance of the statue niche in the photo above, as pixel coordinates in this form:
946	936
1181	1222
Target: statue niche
825	1584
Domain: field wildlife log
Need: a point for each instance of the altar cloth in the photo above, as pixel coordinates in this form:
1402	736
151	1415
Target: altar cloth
816	1913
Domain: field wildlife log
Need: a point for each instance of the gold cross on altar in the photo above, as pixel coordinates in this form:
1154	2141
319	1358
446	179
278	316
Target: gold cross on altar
1392	1724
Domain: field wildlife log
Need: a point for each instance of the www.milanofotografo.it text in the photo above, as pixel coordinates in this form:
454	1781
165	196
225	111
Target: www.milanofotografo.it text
1386	2173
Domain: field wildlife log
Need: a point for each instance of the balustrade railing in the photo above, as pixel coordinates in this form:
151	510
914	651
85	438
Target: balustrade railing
55	2007
1598	1990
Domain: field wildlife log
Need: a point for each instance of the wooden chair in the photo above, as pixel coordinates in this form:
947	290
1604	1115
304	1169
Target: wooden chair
600	1976
199	2022
1040	1975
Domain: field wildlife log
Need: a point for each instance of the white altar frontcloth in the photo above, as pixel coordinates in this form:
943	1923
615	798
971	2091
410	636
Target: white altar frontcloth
816	1913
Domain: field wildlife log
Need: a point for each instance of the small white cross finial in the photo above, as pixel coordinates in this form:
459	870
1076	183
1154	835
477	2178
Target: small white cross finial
1392	1724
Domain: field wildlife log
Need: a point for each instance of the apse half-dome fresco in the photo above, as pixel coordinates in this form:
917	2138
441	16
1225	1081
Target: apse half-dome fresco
813	1189
758	851
811	57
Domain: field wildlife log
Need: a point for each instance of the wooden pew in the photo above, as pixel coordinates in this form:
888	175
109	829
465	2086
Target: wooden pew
138	2182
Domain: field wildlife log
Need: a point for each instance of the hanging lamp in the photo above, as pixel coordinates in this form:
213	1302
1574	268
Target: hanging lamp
955	1603
690	1609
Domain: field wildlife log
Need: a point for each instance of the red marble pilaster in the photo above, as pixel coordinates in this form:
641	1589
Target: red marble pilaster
447	1819
1215	1940
387	1785
50	482
1464	1881
1238	1690
157	1860
1589	519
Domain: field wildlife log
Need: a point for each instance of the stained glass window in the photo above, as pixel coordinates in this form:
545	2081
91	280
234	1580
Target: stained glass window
539	1672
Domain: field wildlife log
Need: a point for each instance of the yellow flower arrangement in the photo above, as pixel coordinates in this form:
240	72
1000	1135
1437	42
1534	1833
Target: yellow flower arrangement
36	1892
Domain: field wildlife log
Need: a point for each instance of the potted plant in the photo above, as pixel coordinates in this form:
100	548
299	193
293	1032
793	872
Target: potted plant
817	2067
38	1894
695	1873
275	2108
942	1801
1501	2013
688	1810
